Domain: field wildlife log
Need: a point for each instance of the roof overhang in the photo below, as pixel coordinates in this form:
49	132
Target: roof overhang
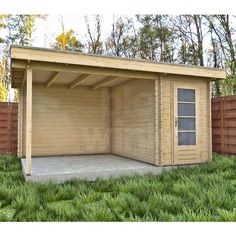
63	61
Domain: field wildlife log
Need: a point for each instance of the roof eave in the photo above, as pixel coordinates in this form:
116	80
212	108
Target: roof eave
48	55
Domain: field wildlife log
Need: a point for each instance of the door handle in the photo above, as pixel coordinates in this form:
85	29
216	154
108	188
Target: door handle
176	121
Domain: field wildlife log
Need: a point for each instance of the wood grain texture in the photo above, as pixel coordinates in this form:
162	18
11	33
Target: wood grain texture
69	121
78	81
133	120
20	123
8	127
209	121
224	124
157	122
186	154
167	113
52	79
28	146
45	55
106	81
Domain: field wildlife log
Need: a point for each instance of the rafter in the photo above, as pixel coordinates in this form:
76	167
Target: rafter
85	70
52	79
105	81
79	80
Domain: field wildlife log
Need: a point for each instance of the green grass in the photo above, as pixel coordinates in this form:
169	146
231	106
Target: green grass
204	193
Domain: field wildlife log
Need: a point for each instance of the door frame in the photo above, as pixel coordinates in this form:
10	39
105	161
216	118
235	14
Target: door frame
191	149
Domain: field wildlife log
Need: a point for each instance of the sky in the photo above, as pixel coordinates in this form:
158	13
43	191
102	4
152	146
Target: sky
47	30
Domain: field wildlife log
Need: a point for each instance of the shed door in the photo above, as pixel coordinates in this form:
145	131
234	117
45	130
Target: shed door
186	124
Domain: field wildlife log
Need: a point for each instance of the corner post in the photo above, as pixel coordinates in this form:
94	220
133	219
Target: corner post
28	119
20	123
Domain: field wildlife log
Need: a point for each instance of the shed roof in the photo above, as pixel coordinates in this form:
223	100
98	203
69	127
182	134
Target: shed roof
66	61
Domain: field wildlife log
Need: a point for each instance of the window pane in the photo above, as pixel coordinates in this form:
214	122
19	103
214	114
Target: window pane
186	124
186	109
186	138
186	95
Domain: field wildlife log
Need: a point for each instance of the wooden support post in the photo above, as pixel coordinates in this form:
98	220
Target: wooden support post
156	124
20	123
210	121
110	118
160	122
28	120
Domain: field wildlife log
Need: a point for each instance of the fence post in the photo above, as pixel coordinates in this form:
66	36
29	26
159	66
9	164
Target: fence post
8	128
222	125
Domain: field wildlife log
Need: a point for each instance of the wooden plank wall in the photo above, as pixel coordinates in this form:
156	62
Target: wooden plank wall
133	120
167	116
67	122
8	128
224	124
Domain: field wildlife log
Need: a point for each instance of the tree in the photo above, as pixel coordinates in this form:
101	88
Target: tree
2	26
3	87
122	40
3	82
221	31
19	31
95	45
20	28
67	40
156	38
189	31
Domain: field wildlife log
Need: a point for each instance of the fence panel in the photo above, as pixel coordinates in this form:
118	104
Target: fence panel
224	124
8	127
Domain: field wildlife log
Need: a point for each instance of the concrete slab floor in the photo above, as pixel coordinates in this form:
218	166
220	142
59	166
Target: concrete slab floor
89	167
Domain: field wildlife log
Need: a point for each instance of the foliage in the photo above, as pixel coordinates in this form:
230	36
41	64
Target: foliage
188	30
3	92
203	193
20	29
67	40
156	38
223	52
122	41
3	83
203	40
2	26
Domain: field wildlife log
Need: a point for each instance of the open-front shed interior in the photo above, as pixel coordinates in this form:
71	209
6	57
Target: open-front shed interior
74	104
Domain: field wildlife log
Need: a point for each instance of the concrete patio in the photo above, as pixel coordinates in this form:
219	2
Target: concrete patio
89	167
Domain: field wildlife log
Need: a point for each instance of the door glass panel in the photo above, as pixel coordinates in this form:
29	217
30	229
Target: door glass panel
186	117
186	95
186	109
186	124
186	138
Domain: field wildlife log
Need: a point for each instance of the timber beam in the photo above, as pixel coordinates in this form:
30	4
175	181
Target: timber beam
60	67
52	79
105	81
79	80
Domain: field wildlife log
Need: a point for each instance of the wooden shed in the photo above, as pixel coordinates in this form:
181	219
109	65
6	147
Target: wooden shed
73	103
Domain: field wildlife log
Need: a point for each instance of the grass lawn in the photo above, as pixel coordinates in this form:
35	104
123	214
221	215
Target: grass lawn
204	193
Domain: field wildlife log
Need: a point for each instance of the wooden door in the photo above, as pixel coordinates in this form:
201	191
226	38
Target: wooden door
186	123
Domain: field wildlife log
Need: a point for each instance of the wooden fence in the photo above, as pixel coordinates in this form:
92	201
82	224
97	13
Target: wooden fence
8	127
224	124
